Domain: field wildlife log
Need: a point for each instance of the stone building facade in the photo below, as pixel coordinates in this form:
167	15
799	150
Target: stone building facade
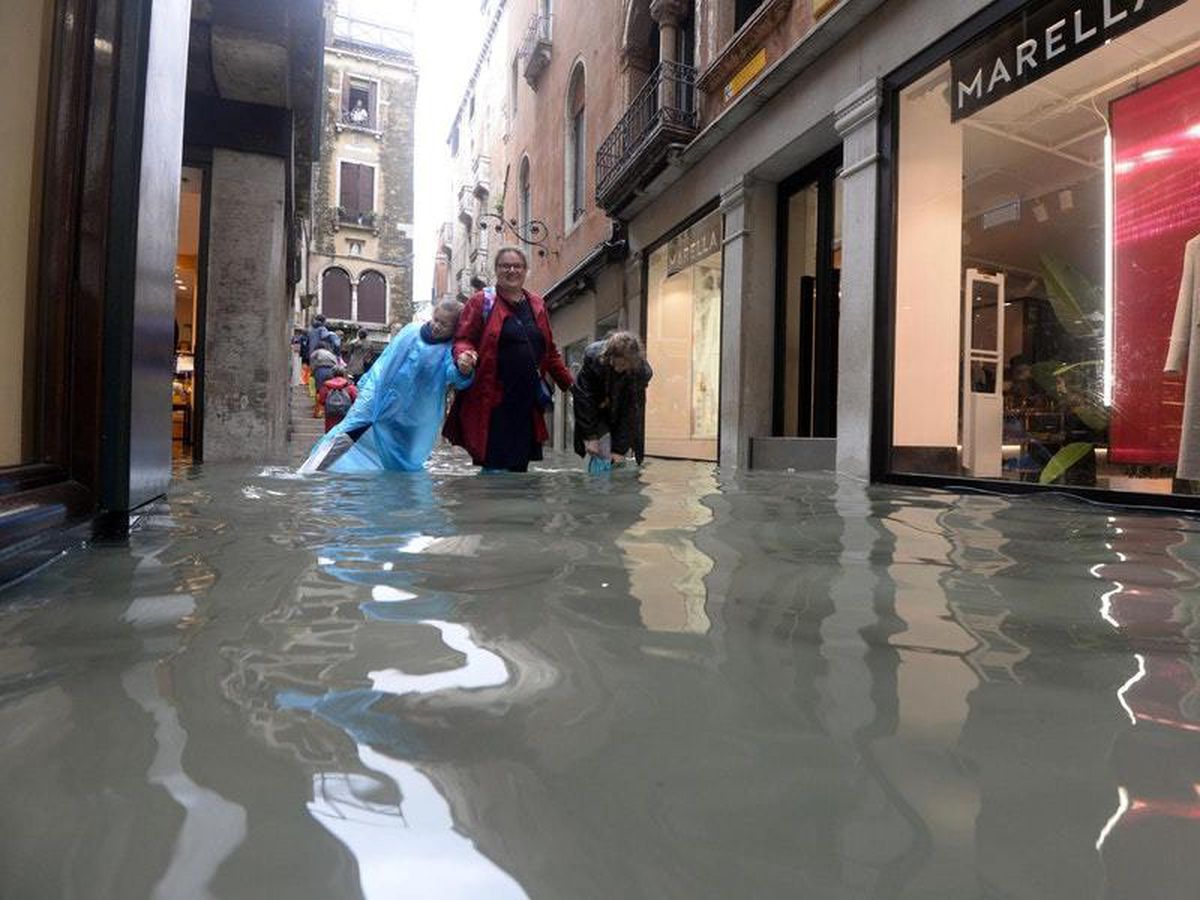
360	253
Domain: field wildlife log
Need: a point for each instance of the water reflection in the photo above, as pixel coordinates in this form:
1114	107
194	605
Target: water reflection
680	683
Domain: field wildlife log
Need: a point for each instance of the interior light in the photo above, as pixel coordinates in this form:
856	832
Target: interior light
1194	131
1041	213
1109	237
1066	200
1125	167
1157	154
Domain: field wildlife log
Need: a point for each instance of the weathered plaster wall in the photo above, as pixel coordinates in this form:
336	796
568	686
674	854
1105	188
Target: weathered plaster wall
246	347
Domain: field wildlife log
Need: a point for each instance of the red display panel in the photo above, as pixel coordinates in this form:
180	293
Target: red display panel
1156	207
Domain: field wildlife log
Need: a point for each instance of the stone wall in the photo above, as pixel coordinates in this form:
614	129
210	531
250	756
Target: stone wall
387	248
246	349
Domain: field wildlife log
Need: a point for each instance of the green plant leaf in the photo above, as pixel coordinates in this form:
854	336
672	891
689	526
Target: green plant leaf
1076	301
1063	460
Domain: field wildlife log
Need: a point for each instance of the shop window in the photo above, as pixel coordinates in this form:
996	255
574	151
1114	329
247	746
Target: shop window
372	298
359	101
335	294
1048	256
576	145
357	194
683	343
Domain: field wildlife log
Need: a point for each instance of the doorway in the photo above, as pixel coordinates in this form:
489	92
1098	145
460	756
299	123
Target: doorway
186	391
808	300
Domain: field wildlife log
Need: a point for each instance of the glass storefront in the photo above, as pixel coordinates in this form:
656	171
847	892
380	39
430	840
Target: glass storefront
809	307
24	57
1048	253
683	343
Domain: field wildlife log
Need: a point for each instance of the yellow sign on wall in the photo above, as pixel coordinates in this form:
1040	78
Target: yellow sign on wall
747	74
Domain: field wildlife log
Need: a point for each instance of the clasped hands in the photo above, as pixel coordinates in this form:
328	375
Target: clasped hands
467	361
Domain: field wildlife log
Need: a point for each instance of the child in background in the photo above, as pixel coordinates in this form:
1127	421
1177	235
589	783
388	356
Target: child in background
337	395
401	402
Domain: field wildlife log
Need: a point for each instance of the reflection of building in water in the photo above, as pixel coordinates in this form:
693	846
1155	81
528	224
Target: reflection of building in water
1156	754
667	571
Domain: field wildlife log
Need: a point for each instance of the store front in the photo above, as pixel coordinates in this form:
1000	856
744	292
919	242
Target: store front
683	341
1045	258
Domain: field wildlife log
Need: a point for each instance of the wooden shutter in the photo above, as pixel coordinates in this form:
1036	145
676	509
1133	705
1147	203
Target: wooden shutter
335	294
366	189
372	298
349	198
373	105
345	97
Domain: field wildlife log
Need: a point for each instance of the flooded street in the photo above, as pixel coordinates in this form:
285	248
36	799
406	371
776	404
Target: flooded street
672	683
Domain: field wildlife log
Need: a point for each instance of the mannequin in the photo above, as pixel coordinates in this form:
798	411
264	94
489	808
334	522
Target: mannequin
1179	359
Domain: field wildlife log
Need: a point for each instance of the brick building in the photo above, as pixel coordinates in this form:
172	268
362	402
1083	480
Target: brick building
360	254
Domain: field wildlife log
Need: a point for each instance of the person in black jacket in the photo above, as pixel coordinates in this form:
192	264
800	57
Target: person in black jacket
610	398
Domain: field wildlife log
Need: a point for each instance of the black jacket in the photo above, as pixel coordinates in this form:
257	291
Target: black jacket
610	403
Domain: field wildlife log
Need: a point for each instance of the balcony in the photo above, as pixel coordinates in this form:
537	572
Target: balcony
367	220
481	176
466	205
354	120
661	116
535	48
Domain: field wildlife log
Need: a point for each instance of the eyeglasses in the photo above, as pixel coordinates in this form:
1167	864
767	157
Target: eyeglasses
510	267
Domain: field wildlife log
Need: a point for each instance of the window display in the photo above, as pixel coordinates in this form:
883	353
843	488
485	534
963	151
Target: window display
683	343
1045	305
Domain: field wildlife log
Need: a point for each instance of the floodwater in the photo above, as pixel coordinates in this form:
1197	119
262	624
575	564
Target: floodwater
672	683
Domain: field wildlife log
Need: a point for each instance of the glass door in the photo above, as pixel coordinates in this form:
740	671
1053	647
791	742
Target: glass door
809	298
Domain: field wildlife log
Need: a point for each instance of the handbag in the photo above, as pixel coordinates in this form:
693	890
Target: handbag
544	396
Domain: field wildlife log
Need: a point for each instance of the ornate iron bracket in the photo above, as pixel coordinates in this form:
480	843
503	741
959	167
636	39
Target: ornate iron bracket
535	233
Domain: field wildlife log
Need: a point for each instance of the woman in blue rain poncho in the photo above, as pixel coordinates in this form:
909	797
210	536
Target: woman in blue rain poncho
401	403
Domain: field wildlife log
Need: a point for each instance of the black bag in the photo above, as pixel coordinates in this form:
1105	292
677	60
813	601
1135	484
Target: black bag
338	403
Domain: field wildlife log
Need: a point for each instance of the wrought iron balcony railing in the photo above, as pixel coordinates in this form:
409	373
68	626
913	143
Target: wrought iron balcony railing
535	48
662	114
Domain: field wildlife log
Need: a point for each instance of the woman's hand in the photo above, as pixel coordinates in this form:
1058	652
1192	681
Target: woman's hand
466	361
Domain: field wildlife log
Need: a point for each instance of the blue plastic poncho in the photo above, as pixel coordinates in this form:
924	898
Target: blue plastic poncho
398	415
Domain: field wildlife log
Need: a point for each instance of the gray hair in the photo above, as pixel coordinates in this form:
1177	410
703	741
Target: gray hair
510	249
450	305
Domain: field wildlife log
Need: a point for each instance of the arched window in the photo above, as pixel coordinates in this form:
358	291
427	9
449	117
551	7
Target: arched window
335	294
576	144
372	297
525	197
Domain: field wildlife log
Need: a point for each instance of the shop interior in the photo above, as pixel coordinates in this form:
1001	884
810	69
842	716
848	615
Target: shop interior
187	312
809	306
683	345
1039	260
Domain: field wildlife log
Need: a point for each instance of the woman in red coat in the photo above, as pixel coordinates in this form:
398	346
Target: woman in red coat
500	420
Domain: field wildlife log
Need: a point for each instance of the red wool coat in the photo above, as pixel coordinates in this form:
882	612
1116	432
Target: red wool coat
467	425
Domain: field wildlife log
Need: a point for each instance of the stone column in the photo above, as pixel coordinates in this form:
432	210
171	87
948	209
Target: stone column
747	317
857	120
247	335
668	14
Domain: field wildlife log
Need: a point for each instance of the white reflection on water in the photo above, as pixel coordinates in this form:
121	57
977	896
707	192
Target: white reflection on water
411	848
483	668
213	827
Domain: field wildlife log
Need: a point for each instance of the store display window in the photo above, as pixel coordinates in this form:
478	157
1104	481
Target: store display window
683	343
1047	257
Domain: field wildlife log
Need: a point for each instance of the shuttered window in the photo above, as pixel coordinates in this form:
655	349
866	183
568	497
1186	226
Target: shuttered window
358	189
372	297
335	294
